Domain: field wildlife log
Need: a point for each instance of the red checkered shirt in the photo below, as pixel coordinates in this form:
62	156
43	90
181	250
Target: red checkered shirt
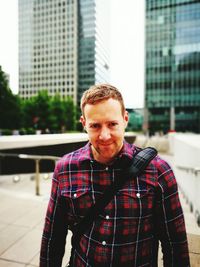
126	232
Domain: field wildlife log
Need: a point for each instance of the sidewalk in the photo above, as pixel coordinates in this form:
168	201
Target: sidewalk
22	218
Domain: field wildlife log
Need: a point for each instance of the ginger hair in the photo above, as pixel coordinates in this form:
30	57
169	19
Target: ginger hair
101	92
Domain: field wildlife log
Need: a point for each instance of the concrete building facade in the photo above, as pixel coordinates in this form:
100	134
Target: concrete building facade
59	48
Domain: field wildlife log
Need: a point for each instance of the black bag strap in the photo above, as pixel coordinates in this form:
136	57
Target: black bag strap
139	163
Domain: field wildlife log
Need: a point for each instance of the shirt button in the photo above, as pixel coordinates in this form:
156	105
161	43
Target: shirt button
138	195
103	243
107	217
75	195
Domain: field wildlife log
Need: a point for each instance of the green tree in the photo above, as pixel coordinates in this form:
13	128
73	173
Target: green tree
29	113
10	111
43	110
79	126
70	114
57	118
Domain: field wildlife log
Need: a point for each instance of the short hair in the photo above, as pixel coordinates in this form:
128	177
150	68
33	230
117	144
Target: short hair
101	92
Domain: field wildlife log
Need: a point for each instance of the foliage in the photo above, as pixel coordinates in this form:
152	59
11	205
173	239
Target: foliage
10	112
41	112
49	114
57	118
29	113
78	125
70	114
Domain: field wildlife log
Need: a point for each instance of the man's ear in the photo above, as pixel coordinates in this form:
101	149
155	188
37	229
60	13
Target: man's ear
82	120
126	118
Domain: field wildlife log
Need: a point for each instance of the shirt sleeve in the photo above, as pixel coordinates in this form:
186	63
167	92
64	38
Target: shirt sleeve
170	222
55	228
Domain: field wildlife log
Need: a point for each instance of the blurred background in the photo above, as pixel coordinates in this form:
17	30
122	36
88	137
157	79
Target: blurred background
51	51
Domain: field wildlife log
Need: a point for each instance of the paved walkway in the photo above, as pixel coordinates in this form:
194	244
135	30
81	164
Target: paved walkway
21	220
22	217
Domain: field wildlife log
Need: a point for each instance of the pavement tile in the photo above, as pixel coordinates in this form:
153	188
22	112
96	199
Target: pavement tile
6	202
35	260
40	225
2	226
32	217
9	235
12	214
4	263
25	248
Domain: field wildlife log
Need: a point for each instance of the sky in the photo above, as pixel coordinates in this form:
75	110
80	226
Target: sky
126	47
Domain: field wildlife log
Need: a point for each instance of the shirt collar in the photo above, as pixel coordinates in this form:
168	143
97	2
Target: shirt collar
127	150
85	153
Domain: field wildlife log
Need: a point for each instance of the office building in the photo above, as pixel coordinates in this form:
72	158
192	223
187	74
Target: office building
61	48
172	95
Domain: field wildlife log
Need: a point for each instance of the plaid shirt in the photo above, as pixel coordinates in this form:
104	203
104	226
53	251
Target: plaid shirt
126	233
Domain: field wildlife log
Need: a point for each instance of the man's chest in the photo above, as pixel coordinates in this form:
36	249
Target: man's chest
81	190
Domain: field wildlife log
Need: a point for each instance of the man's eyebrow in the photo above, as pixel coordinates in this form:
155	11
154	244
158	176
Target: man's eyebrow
115	121
92	123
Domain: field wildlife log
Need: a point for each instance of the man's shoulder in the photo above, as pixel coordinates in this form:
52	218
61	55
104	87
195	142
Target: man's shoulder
158	162
76	156
161	165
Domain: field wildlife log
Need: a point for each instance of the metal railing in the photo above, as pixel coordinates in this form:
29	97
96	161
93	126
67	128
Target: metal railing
37	159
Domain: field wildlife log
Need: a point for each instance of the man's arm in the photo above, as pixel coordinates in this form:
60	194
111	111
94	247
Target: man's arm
169	219
55	229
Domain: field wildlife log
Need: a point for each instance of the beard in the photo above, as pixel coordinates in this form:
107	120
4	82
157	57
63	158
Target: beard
105	153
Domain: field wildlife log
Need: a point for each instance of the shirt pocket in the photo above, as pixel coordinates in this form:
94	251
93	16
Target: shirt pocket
80	201
134	203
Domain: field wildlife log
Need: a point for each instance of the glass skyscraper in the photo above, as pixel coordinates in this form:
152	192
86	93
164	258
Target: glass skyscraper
92	37
172	95
59	46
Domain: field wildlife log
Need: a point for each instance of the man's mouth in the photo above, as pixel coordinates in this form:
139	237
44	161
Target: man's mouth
105	144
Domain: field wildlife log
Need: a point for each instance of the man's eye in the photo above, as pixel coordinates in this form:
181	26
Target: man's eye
113	124
94	126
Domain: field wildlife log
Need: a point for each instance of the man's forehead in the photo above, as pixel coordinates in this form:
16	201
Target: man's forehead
107	103
109	108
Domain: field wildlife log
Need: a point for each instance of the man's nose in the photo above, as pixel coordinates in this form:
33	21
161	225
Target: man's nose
104	134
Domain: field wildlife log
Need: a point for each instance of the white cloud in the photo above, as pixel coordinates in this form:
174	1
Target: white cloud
127	50
9	41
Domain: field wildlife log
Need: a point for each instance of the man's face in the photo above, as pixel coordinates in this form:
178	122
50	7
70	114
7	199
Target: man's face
105	125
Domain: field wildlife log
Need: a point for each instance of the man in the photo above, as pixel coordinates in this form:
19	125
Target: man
145	210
